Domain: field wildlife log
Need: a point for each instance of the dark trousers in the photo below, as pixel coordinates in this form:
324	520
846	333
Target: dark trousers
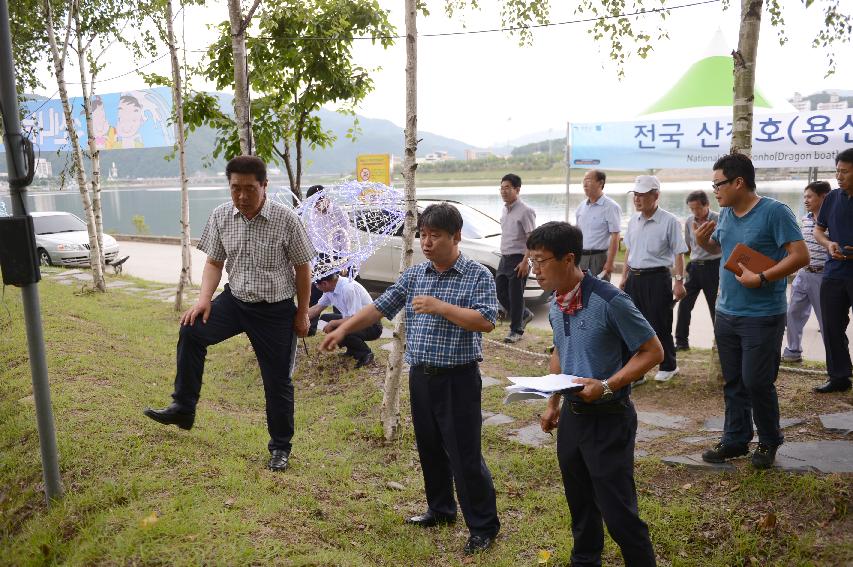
510	291
652	294
703	278
355	342
596	455
447	421
749	349
836	299
269	327
316	294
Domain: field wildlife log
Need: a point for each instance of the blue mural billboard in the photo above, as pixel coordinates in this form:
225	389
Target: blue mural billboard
124	120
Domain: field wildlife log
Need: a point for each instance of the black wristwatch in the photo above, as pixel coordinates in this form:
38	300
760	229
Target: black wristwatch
764	280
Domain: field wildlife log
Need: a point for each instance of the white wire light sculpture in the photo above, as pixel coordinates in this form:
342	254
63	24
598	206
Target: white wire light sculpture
348	222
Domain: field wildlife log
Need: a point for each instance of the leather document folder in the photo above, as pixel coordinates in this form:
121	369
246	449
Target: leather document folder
755	261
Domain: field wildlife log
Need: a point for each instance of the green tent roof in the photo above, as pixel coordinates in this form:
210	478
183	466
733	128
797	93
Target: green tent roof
708	82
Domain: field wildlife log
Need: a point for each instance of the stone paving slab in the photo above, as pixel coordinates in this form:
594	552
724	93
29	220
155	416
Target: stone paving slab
640	453
387	333
82	277
489	381
821	456
715	424
490	418
807	456
65	273
118	284
64	281
645	434
695	461
532	436
389	346
838	422
663	420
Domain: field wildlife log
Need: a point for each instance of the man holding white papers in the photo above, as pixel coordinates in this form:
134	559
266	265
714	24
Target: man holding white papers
599	334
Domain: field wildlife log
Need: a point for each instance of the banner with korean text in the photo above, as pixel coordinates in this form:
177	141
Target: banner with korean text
806	139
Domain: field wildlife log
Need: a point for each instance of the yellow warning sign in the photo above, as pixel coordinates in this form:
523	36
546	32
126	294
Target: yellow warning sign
375	168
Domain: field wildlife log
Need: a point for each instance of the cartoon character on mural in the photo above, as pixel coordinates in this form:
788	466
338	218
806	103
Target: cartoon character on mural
134	108
104	133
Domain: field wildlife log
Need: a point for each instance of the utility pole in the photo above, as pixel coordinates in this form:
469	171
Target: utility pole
18	255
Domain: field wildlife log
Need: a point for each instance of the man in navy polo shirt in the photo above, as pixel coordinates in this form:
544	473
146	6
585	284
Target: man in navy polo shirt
836	289
601	336
449	301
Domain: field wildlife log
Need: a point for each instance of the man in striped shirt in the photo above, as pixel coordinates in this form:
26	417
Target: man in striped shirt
449	301
805	291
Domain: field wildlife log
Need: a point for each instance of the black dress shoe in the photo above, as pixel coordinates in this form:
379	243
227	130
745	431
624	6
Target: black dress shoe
431	519
478	544
278	460
172	415
682	347
830	386
364	360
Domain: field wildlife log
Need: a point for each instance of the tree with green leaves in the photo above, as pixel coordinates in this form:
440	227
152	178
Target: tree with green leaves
299	60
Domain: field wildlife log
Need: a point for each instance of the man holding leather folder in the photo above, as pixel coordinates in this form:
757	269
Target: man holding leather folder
761	245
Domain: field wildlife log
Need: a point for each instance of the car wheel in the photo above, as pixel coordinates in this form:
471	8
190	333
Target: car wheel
44	257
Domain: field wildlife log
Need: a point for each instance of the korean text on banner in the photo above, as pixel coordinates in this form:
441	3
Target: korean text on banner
375	168
807	139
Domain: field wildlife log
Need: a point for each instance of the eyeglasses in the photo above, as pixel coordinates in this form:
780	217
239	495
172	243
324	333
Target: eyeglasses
719	184
536	263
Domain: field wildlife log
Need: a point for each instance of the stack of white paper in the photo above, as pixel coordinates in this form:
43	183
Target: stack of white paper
538	387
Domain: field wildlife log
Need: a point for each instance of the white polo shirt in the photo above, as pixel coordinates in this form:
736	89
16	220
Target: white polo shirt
598	221
654	242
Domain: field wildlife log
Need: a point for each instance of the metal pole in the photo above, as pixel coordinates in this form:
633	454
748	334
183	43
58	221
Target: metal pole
568	167
812	174
12	139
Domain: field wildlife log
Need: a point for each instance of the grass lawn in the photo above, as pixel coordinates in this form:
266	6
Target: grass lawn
138	493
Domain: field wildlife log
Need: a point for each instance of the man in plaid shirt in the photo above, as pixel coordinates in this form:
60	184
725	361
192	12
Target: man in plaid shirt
266	252
449	302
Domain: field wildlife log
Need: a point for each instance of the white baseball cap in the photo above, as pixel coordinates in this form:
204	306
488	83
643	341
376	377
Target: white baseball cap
646	183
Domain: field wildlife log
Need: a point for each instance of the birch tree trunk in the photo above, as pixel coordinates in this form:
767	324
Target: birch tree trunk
77	154
744	76
185	278
744	96
393	376
87	87
241	85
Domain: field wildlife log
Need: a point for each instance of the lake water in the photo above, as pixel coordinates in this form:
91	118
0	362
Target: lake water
160	207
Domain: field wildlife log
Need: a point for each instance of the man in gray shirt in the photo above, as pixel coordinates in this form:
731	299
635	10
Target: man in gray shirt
655	242
517	222
600	218
703	271
264	248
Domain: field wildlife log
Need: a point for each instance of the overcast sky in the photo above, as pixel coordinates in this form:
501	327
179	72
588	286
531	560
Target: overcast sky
486	90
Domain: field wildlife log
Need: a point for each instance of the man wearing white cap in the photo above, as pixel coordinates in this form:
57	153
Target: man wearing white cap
655	242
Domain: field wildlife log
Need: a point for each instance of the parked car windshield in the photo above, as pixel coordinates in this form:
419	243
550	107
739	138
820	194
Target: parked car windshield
57	223
476	224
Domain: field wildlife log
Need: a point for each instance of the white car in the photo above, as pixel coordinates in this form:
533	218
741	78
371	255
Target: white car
62	240
481	240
